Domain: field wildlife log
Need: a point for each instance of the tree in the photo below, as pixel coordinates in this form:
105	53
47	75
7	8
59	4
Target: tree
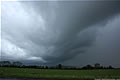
46	67
87	67
5	63
1	63
17	63
110	67
59	66
97	66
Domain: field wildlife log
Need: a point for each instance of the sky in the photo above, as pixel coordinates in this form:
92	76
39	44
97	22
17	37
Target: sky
72	33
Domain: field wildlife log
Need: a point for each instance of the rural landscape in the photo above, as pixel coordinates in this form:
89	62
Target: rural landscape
58	72
60	40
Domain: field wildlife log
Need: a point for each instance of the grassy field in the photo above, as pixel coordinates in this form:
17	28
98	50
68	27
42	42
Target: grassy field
58	74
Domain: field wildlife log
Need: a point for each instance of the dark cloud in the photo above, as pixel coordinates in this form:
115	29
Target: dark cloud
106	47
52	31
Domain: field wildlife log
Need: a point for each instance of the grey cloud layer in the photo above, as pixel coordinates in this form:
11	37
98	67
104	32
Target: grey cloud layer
51	32
106	47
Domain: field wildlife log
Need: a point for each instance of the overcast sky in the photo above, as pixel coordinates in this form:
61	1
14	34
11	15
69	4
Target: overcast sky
69	32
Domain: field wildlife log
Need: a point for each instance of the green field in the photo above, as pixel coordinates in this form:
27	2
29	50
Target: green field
58	74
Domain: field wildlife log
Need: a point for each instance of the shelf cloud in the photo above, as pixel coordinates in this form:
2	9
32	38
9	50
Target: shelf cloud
53	32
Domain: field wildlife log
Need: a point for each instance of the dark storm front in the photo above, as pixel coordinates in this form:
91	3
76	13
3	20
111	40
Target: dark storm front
69	34
61	31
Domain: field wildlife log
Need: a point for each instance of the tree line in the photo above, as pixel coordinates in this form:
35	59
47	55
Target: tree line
19	64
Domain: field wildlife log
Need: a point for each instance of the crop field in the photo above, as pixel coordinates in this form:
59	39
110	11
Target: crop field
6	72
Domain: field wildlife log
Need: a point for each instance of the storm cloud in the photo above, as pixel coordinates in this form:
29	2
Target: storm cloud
54	31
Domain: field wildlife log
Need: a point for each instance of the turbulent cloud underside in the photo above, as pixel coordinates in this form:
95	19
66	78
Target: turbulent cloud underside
52	32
